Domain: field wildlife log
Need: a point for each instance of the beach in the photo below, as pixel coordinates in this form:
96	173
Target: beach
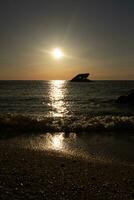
60	141
66	100
44	174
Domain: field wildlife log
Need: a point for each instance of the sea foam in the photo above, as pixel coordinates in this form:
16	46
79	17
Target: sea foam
79	124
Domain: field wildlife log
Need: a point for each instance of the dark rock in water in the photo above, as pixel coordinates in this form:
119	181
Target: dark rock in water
131	97
122	99
126	99
81	78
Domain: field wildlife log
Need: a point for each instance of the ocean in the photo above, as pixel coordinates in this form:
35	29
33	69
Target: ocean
41	99
86	110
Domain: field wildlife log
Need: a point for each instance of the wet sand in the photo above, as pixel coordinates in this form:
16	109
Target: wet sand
30	174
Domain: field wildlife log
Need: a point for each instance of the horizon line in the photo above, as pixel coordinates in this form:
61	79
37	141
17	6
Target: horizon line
64	80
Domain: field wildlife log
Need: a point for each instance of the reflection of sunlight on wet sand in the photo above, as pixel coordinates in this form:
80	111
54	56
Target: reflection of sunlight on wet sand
58	142
65	145
57	95
55	142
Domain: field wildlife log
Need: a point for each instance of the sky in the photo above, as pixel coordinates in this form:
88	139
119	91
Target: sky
95	36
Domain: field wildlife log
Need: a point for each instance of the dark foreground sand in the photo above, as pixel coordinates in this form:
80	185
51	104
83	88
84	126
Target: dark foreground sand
28	174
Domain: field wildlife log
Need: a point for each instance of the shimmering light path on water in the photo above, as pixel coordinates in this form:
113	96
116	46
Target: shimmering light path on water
57	94
62	98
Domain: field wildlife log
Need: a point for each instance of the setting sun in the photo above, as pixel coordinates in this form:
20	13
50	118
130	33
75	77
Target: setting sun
57	53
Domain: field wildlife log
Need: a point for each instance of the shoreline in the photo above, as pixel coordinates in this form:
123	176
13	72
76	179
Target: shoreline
31	174
15	125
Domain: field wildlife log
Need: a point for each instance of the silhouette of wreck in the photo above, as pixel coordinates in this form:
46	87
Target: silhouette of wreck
81	78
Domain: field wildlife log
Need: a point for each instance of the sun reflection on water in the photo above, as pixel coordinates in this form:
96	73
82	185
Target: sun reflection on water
55	142
59	141
67	145
57	99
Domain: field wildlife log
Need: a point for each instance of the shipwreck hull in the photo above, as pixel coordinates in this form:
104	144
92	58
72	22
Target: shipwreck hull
81	78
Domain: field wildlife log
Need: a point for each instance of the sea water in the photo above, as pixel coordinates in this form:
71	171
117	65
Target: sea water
63	99
88	110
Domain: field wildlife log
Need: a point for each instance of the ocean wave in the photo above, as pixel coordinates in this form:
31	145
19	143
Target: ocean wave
19	123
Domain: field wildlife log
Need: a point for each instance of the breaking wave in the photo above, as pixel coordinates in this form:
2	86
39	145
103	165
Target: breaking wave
108	123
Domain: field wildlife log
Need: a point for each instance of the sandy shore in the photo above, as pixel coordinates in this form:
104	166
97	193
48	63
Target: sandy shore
28	174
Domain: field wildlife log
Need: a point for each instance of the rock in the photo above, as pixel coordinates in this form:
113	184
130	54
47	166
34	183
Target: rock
126	99
122	99
131	97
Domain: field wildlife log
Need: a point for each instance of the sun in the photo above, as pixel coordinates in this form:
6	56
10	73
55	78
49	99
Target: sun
57	53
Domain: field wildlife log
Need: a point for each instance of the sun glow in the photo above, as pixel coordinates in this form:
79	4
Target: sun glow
57	53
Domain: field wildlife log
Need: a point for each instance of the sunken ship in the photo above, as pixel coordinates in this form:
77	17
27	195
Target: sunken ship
81	78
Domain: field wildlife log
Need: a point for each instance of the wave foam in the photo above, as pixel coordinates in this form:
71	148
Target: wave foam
70	124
